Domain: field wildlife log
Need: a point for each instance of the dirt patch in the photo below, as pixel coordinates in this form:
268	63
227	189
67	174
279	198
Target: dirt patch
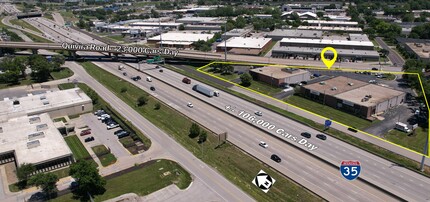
10	169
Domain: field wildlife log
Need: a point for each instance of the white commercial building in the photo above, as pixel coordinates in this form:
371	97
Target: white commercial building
242	45
163	25
322	43
33	140
324	23
332	29
201	21
178	39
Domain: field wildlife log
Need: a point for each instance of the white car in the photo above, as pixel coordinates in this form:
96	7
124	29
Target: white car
112	126
190	105
258	113
263	144
103	116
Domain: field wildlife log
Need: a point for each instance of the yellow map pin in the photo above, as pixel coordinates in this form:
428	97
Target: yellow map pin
329	63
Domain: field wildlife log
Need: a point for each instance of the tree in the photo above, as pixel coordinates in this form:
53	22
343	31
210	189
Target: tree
157	106
245	79
181	27
240	22
13	70
226	69
142	100
320	14
21	63
40	67
23	173
46	181
384	52
89	180
194	130
57	61
408	17
154	14
421	31
203	136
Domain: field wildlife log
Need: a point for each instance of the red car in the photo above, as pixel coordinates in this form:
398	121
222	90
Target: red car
86	132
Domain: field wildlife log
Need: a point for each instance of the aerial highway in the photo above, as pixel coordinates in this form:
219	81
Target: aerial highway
378	171
298	165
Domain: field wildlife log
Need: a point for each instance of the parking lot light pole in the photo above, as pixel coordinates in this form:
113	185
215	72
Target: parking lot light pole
424	155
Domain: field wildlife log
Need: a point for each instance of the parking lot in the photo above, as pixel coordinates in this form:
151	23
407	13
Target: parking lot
101	135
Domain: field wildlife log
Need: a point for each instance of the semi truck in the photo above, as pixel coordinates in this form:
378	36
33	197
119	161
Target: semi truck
205	90
402	127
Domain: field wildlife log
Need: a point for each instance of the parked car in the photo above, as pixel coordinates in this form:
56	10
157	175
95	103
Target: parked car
186	80
118	131
124	73
190	105
99	112
107	116
306	135
152	88
263	144
39	196
275	158
321	136
112	126
103	116
123	134
258	113
85	132
89	139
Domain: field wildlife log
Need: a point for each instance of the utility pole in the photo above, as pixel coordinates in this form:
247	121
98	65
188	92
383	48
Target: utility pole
161	31
426	146
225	42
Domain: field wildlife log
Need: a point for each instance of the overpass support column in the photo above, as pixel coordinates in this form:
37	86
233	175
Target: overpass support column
34	51
73	54
110	54
115	56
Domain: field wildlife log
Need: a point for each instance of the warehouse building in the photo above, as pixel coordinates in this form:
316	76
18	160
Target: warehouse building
245	46
322	43
418	48
33	139
279	77
346	55
201	21
332	29
236	33
324	23
162	25
56	104
353	96
279	34
178	39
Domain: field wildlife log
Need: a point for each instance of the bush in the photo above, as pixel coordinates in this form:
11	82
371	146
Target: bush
203	137
194	130
157	106
142	100
123	89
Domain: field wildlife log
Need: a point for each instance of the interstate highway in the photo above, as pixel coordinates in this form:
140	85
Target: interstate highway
298	165
380	172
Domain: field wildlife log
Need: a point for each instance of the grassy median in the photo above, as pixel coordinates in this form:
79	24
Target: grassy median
230	161
374	149
24	25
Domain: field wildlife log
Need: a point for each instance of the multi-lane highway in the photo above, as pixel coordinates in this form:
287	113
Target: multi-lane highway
380	172
317	176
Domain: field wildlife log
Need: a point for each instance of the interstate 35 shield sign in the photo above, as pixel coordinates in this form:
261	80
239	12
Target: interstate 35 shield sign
350	169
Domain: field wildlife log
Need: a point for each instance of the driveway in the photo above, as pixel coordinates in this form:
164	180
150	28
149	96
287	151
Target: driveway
395	58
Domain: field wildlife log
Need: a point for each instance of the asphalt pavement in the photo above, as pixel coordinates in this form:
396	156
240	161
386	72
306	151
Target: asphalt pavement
378	171
298	164
394	57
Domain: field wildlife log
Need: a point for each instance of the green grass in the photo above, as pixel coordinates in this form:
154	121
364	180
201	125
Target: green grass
329	112
101	104
107	159
78	149
74	116
64	72
49	16
36	38
230	161
415	142
22	82
116	37
100	150
61	173
374	149
24	25
272	43
68	16
389	77
60	119
143	181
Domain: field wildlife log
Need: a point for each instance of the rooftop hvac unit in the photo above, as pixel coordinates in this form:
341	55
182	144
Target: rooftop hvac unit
37	135
45	102
33	144
34	120
350	84
42	97
42	127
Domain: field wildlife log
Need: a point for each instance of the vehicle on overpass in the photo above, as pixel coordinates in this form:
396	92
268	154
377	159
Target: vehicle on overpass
205	90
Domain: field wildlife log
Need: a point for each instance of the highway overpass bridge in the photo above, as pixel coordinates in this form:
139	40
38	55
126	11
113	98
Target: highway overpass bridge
121	50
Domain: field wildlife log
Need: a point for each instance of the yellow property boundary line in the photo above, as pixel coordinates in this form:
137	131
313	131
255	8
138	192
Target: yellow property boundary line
319	68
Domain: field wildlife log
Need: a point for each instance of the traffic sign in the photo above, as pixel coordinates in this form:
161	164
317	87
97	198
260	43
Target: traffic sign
350	169
327	123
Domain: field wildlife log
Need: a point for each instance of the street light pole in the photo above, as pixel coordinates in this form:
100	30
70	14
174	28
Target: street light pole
225	42
424	154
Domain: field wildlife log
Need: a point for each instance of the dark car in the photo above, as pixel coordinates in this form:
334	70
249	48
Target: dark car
106	120
374	68
321	136
123	134
152	88
117	132
39	196
306	135
89	139
124	73
160	70
156	67
275	158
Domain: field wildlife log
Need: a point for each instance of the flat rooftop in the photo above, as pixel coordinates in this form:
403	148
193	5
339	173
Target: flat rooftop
317	51
324	22
181	36
34	139
421	49
294	33
278	72
325	28
155	24
249	42
340	82
358	37
237	32
36	104
379	94
327	42
200	20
